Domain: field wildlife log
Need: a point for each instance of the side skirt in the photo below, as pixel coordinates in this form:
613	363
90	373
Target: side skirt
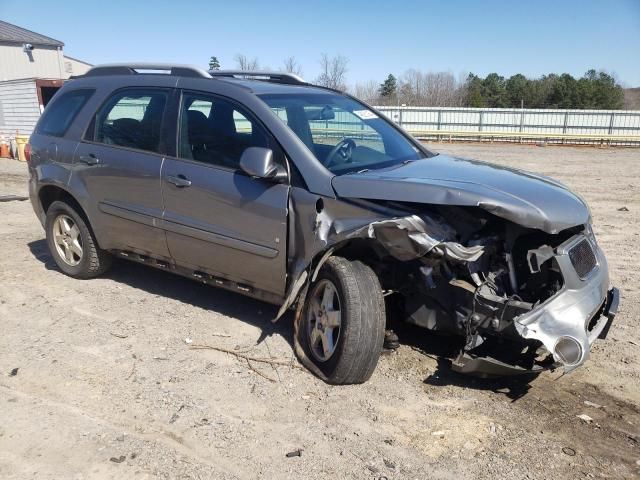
200	276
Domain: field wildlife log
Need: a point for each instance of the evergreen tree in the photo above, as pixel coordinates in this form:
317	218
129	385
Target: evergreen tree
607	94
389	87
518	91
474	97
564	92
214	64
595	90
494	91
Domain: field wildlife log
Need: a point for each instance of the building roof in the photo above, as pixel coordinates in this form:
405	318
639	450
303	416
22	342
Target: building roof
77	60
14	34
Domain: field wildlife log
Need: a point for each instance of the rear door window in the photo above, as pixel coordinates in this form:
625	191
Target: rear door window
59	115
132	119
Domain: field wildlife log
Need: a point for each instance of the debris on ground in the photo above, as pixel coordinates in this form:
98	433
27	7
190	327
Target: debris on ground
389	464
14	372
623	209
439	433
119	459
175	416
585	418
569	451
591	404
13	198
391	340
295	453
274	362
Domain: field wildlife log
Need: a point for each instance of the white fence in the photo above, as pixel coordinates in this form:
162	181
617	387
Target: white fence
559	126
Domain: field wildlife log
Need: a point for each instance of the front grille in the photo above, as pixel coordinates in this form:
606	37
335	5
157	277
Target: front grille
582	258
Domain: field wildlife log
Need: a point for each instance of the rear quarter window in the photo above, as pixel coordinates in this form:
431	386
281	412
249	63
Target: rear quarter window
59	115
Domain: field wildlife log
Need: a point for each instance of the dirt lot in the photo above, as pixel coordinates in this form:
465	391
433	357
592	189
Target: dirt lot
107	385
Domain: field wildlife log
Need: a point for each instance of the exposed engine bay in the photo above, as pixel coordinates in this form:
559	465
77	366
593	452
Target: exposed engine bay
515	272
465	271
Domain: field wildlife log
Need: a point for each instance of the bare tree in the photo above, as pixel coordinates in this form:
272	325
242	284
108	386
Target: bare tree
436	89
333	72
291	65
411	87
246	64
367	91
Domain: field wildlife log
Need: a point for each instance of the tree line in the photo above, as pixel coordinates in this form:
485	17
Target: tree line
594	90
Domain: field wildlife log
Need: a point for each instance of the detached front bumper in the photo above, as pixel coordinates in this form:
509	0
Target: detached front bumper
582	311
568	323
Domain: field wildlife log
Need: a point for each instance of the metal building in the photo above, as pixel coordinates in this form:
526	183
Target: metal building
32	69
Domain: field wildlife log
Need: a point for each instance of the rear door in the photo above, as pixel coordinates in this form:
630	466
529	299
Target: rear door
218	219
119	162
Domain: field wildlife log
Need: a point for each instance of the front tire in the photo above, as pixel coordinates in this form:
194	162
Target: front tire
344	321
72	243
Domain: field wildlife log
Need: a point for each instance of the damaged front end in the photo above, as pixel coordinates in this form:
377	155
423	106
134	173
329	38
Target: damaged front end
524	295
525	300
558	301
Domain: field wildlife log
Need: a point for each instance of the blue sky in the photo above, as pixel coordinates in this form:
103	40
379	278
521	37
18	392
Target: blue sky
378	37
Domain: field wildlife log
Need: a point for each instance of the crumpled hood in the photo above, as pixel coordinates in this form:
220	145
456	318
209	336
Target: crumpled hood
530	200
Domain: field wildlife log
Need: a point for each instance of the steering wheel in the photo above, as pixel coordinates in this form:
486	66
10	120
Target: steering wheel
343	151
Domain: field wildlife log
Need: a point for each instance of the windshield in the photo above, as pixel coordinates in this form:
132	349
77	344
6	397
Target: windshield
344	134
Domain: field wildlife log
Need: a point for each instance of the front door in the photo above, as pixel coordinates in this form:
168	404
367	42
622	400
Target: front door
119	165
218	219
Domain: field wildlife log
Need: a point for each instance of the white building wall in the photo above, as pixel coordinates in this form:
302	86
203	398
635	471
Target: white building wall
41	62
74	67
19	109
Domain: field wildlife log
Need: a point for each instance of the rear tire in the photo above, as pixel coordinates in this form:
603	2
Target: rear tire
343	321
72	243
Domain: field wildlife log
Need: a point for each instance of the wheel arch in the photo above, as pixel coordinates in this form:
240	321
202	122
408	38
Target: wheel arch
50	193
366	250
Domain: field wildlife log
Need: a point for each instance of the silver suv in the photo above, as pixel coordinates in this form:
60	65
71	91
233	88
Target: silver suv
307	198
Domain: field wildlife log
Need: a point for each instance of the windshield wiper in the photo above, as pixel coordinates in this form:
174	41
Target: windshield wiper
357	171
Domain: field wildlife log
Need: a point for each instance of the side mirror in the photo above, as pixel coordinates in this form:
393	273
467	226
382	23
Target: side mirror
258	162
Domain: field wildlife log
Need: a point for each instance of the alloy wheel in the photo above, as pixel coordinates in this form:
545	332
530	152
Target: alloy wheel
67	240
324	319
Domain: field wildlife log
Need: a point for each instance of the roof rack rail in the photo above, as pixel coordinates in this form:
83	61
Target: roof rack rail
275	77
142	67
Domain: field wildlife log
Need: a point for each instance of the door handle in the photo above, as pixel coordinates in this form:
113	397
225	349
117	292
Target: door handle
179	181
90	159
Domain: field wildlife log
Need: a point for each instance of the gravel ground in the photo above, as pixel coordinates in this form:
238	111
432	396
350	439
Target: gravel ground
98	378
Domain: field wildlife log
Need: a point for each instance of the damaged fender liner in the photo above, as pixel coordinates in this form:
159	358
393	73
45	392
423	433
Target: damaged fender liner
405	238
